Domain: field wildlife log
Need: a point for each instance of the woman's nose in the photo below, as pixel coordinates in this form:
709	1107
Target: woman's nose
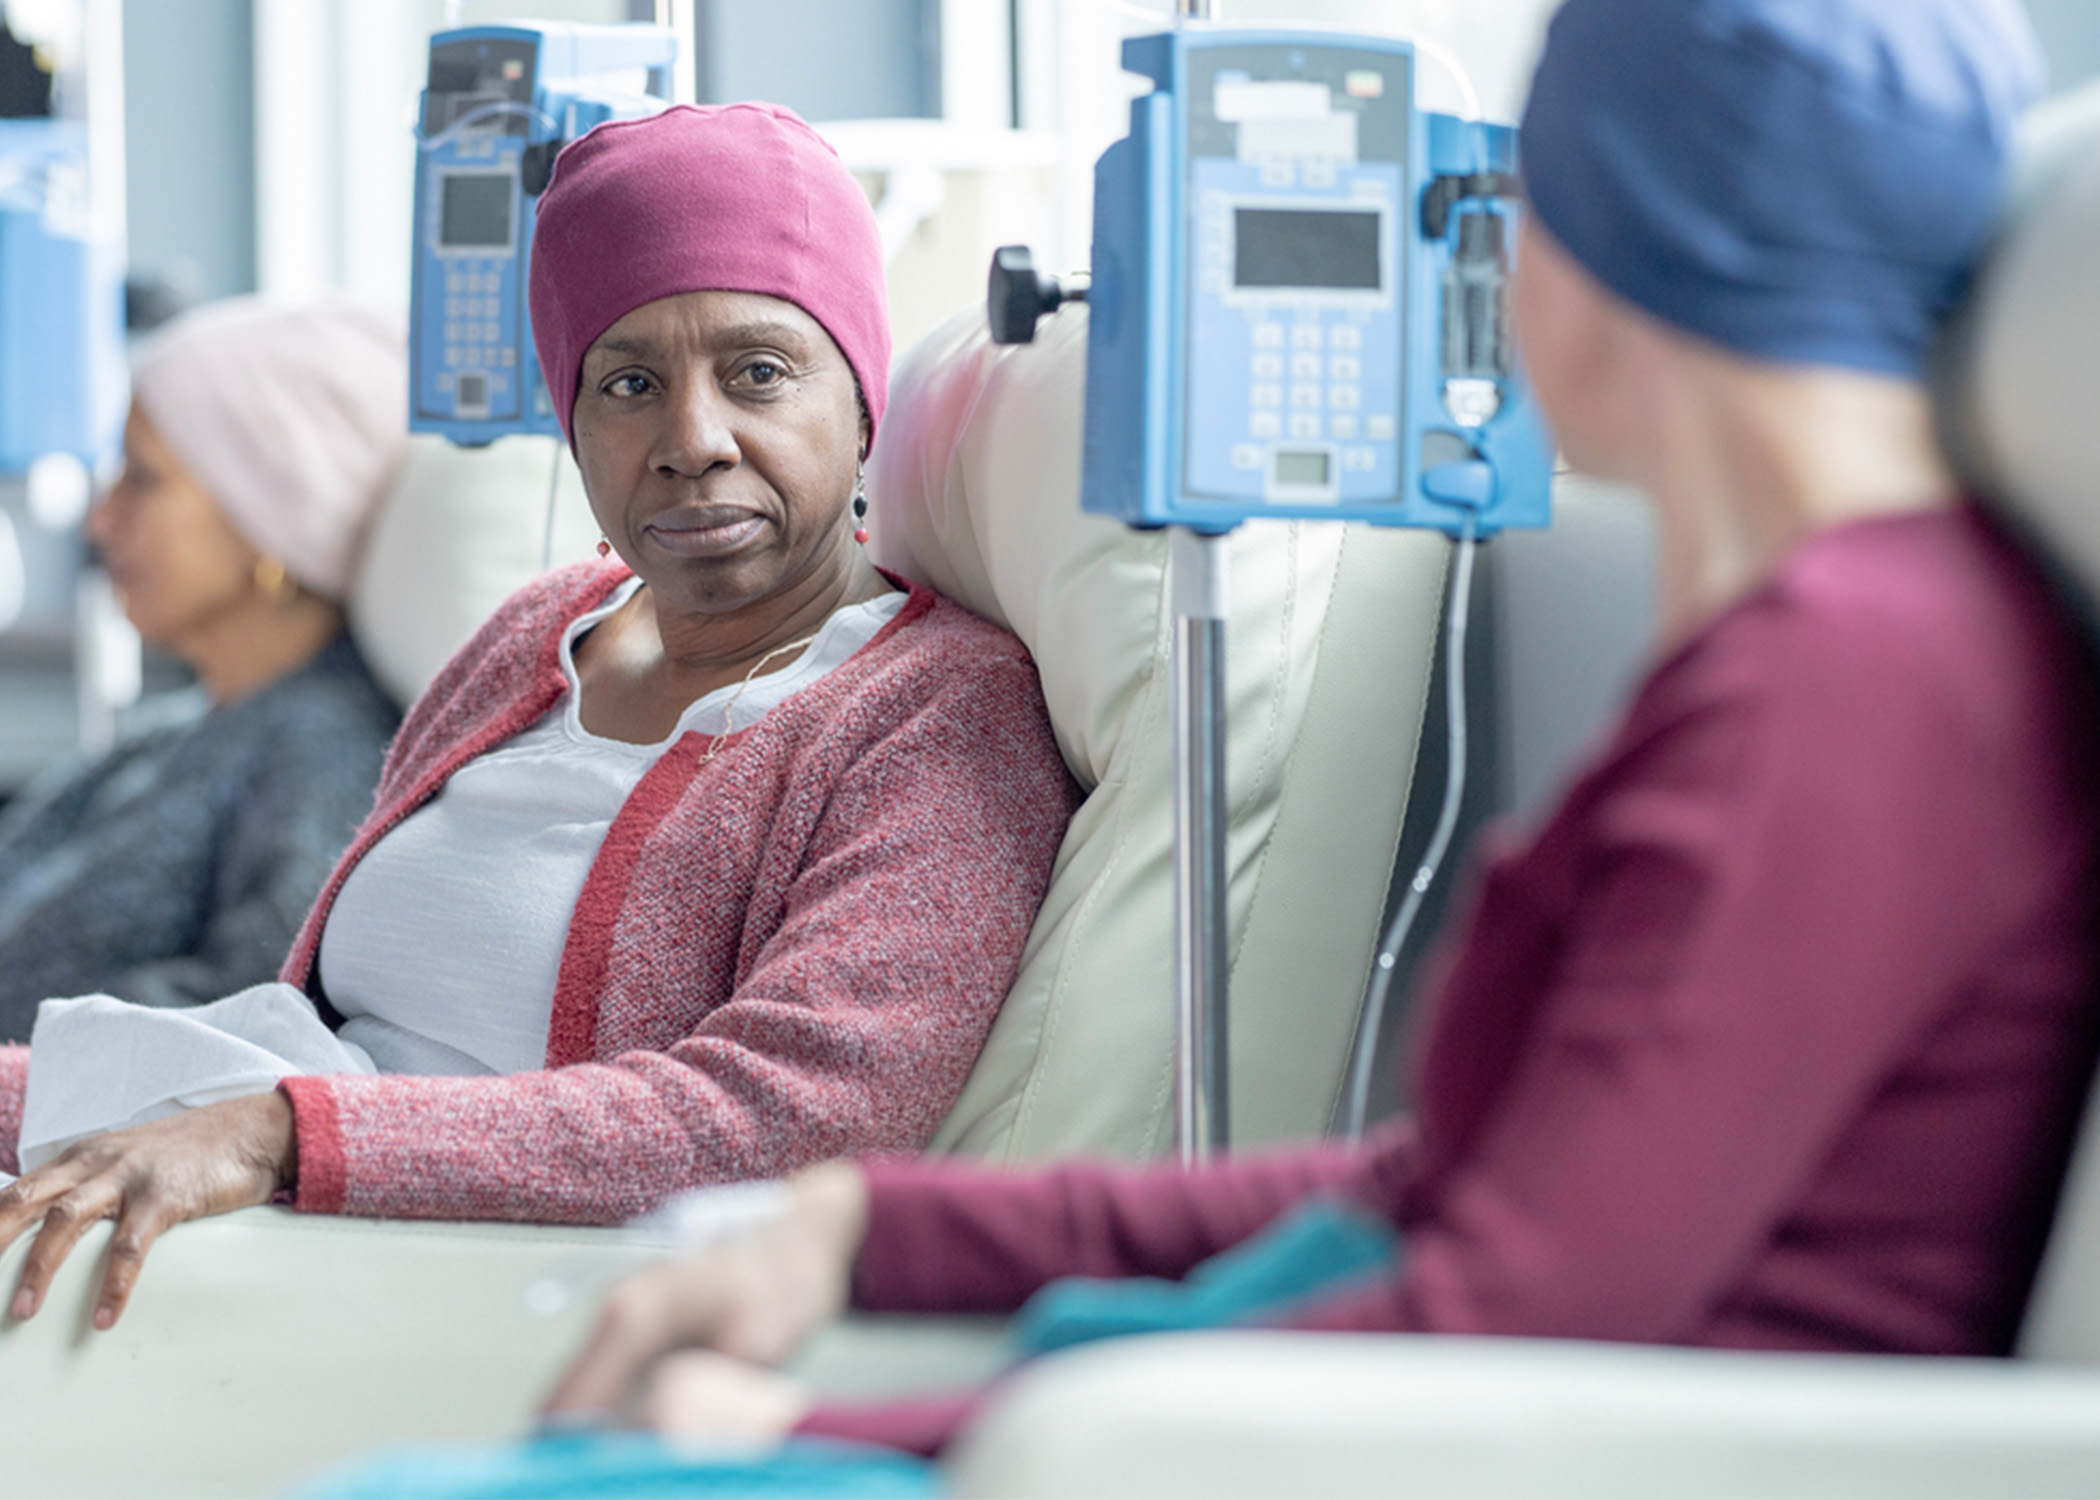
699	432
101	520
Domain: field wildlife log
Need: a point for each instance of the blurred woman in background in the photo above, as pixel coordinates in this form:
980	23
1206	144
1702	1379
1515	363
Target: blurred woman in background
178	867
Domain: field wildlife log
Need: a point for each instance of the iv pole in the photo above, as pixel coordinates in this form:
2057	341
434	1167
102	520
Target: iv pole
1203	1117
1016	297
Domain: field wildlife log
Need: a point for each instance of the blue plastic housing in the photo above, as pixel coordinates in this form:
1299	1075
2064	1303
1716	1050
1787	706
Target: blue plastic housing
62	377
1266	333
500	101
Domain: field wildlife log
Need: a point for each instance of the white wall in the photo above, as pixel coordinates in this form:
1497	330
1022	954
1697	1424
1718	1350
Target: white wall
335	111
190	144
2070	33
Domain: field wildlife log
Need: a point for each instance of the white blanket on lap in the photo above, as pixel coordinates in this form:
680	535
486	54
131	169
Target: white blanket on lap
98	1064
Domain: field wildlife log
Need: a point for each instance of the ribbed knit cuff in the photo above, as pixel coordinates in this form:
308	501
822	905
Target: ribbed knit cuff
14	1088
323	1176
922	1426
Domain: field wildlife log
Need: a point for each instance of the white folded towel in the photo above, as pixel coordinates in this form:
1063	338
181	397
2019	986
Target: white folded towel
98	1064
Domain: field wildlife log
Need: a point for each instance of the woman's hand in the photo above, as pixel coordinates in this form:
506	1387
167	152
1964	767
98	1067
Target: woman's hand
148	1178
754	1300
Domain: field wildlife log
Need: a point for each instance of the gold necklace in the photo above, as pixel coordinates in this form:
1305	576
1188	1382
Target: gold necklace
728	722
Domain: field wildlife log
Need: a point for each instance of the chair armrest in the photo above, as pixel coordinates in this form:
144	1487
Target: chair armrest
1395	1416
265	1345
878	1358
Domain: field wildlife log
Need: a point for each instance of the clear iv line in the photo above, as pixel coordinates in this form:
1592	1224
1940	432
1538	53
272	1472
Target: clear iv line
1445	58
1365	1052
490	111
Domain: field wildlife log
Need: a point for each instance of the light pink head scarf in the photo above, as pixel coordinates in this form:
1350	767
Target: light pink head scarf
293	417
705	198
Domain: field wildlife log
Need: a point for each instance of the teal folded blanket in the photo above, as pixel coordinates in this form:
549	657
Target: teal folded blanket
1296	1261
630	1465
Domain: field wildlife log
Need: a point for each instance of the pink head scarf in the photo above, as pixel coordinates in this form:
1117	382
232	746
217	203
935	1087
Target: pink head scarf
294	416
726	198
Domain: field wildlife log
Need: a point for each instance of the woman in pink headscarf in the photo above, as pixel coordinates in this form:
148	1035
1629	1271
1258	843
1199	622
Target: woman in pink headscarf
698	863
173	868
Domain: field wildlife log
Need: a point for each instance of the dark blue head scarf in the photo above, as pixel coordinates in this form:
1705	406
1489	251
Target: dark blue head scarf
1805	181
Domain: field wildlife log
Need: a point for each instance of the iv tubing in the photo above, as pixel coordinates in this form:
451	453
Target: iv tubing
1468	96
1366	1048
486	112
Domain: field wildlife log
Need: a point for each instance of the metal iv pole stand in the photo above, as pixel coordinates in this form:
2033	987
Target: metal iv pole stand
1203	1115
1203	1109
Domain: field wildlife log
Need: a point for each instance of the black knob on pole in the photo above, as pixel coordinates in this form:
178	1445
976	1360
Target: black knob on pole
1017	294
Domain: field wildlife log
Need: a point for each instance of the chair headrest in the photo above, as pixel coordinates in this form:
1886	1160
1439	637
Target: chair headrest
974	489
461	530
2018	388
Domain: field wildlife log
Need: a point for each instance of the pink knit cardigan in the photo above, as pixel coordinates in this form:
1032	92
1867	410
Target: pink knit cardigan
786	953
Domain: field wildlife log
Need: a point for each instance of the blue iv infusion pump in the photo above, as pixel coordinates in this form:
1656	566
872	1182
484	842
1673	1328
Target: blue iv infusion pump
1299	296
499	103
1299	308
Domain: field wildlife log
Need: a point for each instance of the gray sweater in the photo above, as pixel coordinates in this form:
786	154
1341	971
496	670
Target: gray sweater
177	868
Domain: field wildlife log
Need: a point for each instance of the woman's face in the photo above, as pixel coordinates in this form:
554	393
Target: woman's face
177	565
717	433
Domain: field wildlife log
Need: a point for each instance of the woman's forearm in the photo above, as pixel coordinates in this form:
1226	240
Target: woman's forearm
946	1236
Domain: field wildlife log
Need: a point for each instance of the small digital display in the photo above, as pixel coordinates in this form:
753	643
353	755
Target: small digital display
1302	468
1314	248
476	211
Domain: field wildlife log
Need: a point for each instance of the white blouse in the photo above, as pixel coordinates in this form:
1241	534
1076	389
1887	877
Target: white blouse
444	945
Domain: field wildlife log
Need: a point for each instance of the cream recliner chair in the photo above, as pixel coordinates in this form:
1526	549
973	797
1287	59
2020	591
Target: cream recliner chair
1272	1414
265	1345
463	529
975	488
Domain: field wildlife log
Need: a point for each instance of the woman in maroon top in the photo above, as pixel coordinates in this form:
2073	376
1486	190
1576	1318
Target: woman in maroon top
1775	1034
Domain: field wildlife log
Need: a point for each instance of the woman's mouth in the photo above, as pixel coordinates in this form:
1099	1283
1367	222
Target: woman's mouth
705	533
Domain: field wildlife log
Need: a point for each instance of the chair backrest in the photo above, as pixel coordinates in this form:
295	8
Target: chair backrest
2020	406
974	488
461	530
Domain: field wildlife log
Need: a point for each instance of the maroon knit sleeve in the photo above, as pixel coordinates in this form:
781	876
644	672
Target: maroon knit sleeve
922	1426
951	1237
1769	1036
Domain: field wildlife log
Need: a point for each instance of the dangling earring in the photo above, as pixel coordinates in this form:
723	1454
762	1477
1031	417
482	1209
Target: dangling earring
271	578
604	547
860	502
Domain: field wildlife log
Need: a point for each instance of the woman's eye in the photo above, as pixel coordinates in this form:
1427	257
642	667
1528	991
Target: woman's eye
627	385
764	372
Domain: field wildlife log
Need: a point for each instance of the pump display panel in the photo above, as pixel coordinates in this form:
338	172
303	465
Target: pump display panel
476	211
1296	161
1336	249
